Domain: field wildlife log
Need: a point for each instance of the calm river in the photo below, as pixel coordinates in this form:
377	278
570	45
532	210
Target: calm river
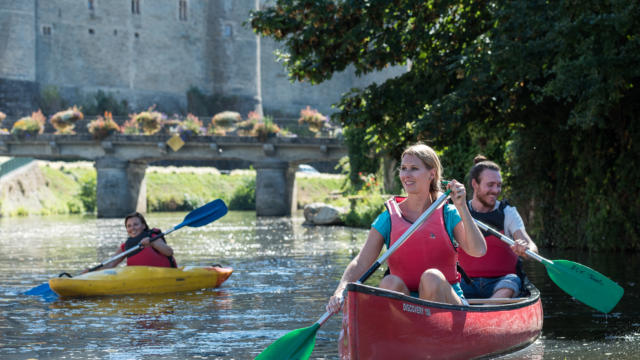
283	275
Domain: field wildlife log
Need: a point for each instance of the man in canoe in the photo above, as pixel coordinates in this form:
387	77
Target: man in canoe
425	265
495	274
153	253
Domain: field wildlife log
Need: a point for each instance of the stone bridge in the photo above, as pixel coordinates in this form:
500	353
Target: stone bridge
121	161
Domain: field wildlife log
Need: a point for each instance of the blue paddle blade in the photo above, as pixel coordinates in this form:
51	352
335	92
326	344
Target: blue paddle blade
44	291
205	214
39	290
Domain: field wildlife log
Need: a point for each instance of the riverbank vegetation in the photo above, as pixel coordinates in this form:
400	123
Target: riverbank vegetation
70	188
557	106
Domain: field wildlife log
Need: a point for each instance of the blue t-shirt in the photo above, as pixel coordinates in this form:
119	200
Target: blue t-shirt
383	223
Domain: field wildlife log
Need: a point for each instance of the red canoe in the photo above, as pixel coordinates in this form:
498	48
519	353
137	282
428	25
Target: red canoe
380	324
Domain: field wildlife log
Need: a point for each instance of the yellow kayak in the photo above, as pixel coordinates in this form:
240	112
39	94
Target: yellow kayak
140	280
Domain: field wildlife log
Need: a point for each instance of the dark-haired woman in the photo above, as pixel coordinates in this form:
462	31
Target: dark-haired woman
153	253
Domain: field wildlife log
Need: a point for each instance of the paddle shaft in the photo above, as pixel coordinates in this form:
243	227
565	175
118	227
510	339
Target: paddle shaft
510	241
135	248
395	246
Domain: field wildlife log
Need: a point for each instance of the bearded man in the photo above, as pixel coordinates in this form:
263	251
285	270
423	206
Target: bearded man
498	273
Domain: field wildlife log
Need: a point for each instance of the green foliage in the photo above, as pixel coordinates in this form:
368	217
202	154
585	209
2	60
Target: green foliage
50	100
547	88
244	196
366	201
102	102
325	188
87	195
75	206
361	158
21	211
62	194
364	209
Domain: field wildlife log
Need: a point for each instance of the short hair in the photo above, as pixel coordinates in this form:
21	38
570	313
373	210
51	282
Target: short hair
480	164
139	216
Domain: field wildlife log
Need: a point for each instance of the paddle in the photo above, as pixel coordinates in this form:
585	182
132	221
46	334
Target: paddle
199	217
298	344
579	281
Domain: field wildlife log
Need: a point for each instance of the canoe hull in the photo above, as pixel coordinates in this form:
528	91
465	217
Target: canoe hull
140	280
379	324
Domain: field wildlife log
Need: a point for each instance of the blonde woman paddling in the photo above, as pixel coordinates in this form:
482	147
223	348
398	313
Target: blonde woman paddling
425	265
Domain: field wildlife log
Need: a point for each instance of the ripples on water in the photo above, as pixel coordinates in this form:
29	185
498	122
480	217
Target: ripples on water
283	275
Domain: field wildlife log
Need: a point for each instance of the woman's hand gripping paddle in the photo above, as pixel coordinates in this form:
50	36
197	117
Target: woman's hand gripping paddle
579	281
298	344
199	217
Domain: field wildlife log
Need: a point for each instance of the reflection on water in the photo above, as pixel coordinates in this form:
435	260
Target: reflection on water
283	275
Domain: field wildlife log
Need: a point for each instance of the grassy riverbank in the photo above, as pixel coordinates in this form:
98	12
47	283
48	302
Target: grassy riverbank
69	188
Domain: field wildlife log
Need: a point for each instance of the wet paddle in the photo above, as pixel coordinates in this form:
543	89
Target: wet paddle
199	217
579	281
298	344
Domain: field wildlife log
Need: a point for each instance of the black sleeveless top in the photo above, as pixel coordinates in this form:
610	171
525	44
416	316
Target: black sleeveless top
494	218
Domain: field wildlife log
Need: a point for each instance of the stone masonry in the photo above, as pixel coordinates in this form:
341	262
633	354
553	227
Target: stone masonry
150	52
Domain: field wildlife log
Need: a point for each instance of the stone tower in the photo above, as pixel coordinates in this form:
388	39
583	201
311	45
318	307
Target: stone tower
18	76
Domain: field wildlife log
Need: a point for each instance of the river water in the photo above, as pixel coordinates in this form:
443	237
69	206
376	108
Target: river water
284	273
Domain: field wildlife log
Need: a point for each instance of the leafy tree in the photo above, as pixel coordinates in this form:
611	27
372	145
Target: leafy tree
549	88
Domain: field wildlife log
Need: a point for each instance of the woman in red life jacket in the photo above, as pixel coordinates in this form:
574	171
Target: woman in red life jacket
153	253
425	265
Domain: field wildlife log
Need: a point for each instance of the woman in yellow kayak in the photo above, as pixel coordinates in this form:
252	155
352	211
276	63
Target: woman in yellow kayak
153	253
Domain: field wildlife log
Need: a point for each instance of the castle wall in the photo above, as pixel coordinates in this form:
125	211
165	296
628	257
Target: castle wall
17	56
152	56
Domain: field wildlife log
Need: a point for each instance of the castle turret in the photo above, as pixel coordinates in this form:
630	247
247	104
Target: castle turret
233	55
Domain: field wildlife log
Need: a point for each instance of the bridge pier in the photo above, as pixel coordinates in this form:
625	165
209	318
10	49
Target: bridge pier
121	187
275	188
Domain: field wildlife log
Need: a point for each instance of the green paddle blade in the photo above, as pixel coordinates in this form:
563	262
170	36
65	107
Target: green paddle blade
296	345
585	284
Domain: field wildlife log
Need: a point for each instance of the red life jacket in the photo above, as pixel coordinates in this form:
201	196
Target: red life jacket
427	248
499	260
147	256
